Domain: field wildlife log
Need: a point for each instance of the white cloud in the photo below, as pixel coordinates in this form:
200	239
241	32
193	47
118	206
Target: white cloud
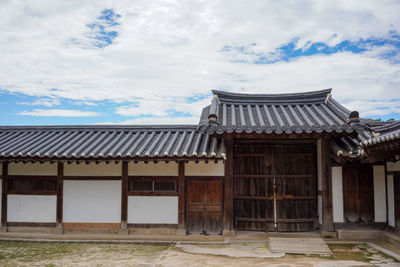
168	51
59	113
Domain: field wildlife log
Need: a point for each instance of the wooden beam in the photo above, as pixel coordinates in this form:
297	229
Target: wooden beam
124	197
326	180
181	194
4	194
60	191
228	186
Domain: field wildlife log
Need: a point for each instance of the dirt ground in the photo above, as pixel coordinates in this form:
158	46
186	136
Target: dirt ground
83	254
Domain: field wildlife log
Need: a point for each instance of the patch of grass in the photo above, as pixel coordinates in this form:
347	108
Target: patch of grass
22	253
349	252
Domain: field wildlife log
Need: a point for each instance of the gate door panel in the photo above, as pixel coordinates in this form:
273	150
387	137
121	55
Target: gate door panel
195	198
358	187
275	186
253	189
295	181
204	206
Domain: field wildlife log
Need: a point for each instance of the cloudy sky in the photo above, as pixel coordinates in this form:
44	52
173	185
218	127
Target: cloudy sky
141	62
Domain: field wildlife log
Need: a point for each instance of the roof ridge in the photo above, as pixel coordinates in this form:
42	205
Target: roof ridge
303	97
99	127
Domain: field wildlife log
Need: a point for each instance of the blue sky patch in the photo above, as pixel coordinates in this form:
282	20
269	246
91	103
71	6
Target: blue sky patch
289	51
103	31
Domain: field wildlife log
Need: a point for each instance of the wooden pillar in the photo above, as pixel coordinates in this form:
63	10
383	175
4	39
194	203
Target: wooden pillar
124	197
228	186
326	179
60	193
181	195
4	193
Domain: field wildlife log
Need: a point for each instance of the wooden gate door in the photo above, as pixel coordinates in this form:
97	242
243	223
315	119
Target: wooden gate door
396	183
358	187
275	185
204	206
296	187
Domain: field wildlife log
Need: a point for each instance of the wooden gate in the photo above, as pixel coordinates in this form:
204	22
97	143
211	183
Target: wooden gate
358	188
204	206
275	185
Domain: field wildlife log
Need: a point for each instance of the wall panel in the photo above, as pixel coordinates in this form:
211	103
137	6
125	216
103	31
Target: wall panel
152	169
393	166
337	194
29	168
379	193
31	208
152	209
92	201
93	169
205	169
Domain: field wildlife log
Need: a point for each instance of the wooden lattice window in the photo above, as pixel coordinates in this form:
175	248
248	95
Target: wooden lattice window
152	185
32	186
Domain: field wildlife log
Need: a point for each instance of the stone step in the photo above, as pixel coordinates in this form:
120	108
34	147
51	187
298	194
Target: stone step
359	234
392	238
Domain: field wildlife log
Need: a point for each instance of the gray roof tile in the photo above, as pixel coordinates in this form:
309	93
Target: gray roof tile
279	113
102	142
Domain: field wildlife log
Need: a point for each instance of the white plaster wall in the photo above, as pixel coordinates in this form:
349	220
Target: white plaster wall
29	168
93	169
391	208
149	209
92	201
337	194
205	169
153	169
379	193
31	208
393	166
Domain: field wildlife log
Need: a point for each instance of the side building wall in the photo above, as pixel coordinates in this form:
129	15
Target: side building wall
92	193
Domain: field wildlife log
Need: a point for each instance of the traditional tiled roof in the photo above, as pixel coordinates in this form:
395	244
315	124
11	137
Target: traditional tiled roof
374	133
389	131
102	142
276	113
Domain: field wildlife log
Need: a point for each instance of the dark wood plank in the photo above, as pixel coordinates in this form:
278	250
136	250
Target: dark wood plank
60	190
194	206
228	185
124	196
154	194
4	194
358	190
94	178
31	177
326	181
151	225
181	194
396	184
31	224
